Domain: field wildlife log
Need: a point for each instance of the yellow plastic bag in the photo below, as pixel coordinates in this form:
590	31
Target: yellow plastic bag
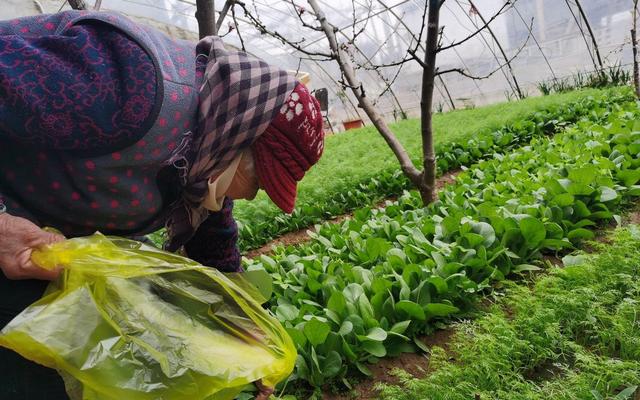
127	321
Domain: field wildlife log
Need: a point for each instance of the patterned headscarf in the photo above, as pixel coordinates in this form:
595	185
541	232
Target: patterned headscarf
239	97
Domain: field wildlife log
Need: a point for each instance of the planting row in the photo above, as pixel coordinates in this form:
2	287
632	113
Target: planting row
572	335
366	288
258	229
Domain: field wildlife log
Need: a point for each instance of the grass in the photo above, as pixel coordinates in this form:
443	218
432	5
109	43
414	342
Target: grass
357	156
572	334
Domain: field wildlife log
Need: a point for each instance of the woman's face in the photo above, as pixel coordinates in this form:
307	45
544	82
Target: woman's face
245	182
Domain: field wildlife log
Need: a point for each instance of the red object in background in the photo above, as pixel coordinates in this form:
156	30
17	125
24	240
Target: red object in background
353	124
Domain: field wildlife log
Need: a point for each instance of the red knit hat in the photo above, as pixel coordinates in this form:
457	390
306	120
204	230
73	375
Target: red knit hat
291	144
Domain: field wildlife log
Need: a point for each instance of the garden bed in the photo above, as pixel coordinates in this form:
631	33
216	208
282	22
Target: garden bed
366	288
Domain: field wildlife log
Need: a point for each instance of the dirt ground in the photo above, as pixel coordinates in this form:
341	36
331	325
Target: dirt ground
415	364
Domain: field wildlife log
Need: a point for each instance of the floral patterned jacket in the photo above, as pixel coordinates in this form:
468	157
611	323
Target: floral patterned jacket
93	108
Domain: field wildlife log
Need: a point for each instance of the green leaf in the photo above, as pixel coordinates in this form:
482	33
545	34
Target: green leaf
400	327
374	348
333	316
413	310
439	283
396	257
287	312
526	268
346	328
337	302
580	234
584	175
352	292
376	247
440	309
487	232
348	352
625	394
533	231
580	209
564	199
580	189
583	223
377	335
366	310
556	244
363	368
297	336
332	364
316	331
421	345
630	176
261	280
607	194
474	239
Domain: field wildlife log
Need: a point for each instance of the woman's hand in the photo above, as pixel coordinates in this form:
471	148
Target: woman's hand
18	238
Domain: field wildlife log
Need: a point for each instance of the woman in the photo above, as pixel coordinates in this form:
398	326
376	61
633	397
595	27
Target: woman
107	125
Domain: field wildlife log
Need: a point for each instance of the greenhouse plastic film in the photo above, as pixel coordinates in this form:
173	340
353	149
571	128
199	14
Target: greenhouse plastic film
129	321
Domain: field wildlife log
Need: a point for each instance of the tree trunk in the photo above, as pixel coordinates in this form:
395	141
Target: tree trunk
78	4
504	55
634	45
427	186
206	17
356	87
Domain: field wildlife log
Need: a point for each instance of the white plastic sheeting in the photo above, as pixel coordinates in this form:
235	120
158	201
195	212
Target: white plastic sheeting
388	27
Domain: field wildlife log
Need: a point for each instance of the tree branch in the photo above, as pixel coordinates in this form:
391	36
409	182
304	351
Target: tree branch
297	45
223	14
78	4
235	22
480	29
349	74
504	54
476	77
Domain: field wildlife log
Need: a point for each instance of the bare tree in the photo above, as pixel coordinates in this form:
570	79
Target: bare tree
634	46
427	188
206	17
337	52
422	48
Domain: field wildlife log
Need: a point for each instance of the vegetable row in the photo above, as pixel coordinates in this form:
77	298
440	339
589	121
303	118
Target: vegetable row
451	155
368	287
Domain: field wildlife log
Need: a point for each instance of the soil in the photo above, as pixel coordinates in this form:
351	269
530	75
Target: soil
416	365
301	236
550	369
634	217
